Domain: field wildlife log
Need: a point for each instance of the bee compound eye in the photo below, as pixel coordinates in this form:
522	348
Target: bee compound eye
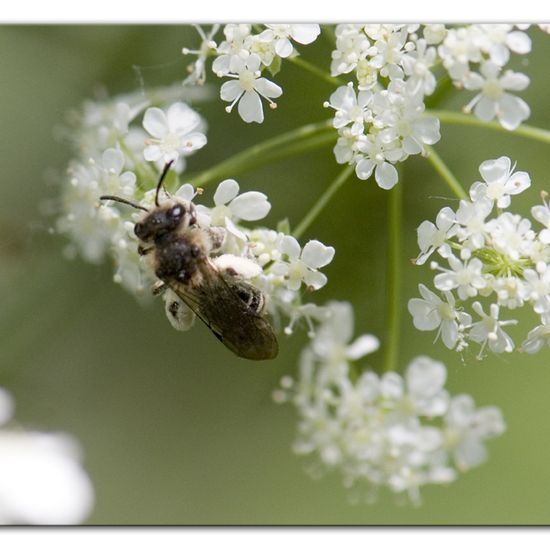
138	230
177	211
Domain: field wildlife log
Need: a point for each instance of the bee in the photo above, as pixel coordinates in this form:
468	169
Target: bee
179	251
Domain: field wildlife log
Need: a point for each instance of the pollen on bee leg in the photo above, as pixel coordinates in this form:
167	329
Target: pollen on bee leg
245	268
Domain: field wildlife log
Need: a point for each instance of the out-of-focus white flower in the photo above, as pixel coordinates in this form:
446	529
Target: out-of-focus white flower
332	340
499	39
466	429
389	431
493	99
41	478
247	87
174	132
416	65
536	339
114	180
352	46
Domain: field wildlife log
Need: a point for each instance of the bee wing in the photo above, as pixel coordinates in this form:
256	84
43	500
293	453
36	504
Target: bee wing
229	307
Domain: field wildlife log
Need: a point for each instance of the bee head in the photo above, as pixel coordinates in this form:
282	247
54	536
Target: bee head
162	220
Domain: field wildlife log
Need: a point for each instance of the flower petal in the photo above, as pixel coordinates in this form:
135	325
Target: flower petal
227	190
315	254
315	279
250	206
230	90
290	247
250	107
154	121
362	346
267	88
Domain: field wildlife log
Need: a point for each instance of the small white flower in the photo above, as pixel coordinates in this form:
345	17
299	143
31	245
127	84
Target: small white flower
430	312
301	33
378	158
416	65
332	340
174	132
541	213
500	182
197	73
537	288
489	330
425	380
498	40
465	277
433	237
246	88
466	428
471	219
233	50
511	234
493	99
536	339
350	108
230	207
115	181
352	46
302	265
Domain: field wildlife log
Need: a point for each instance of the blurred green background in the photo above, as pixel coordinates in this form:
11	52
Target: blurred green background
174	429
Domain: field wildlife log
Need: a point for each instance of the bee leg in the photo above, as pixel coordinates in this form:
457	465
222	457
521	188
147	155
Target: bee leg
159	288
142	251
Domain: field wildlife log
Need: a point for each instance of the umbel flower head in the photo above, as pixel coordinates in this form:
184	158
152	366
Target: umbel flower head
125	161
492	260
380	115
390	431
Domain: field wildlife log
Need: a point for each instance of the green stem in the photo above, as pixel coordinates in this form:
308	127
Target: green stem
299	140
523	130
313	69
445	173
322	201
395	246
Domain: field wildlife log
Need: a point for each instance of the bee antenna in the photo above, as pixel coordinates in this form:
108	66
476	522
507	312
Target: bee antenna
161	179
124	201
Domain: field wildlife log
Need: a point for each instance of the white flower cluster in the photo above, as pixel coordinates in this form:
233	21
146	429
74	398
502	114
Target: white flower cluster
399	432
500	260
475	57
243	56
42	480
120	145
380	119
120	157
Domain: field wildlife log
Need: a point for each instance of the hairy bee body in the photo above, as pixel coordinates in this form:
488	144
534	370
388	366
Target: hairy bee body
179	251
